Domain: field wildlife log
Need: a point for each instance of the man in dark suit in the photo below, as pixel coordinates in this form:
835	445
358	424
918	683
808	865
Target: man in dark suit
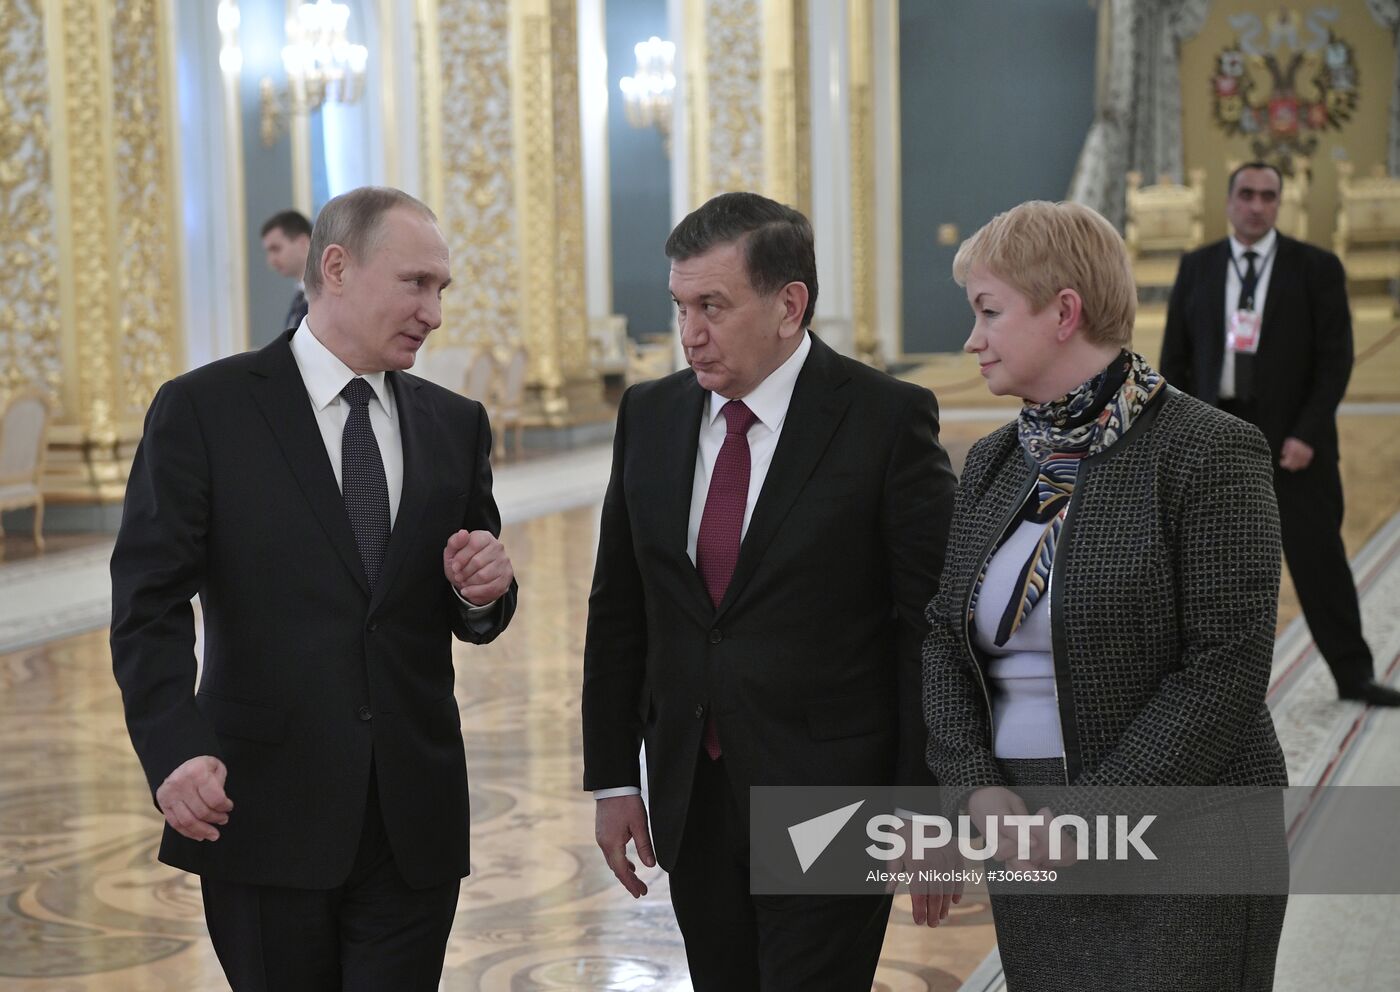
334	515
286	241
772	533
1258	325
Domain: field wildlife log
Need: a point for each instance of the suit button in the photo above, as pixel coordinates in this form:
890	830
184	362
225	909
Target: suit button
364	713
699	711
373	626
716	636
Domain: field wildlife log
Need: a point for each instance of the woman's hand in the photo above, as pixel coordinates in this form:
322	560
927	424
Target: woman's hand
989	807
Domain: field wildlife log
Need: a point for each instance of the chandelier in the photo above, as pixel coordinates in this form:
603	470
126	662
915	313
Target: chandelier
321	66
648	93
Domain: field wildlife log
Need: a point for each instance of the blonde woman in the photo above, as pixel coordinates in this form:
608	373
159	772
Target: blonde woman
1107	608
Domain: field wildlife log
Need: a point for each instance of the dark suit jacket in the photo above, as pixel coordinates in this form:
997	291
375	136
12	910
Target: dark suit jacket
811	662
306	675
1305	345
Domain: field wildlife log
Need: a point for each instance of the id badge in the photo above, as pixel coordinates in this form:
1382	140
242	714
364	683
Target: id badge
1242	336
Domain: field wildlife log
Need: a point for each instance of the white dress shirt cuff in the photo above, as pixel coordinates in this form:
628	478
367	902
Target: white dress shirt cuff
472	609
622	790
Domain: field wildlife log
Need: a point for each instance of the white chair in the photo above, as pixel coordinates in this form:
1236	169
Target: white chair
23	442
510	400
476	382
445	365
1163	222
1367	238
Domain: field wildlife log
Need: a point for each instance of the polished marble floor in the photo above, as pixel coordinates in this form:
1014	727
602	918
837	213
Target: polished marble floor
85	906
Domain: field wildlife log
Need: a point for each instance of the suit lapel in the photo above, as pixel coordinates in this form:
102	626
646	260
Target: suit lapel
817	407
281	395
1217	269
416	424
680	442
1281	275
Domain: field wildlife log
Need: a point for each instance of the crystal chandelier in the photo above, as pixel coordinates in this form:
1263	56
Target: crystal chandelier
648	93
321	66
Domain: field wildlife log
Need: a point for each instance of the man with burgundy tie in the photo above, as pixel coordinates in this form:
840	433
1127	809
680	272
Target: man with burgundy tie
1258	325
334	515
773	529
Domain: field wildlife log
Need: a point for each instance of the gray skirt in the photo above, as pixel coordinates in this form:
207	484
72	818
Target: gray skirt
1088	943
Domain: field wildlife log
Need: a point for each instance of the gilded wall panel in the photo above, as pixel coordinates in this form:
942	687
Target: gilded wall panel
88	130
802	108
535	89
568	189
477	207
30	349
862	135
148	337
733	70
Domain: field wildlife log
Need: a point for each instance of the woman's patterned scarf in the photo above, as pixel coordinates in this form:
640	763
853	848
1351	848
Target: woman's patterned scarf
1058	436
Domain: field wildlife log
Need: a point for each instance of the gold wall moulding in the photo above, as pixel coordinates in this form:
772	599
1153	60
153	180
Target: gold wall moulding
109	104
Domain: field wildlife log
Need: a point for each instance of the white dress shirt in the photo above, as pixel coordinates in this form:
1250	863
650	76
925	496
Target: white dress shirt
1263	266
769	402
325	376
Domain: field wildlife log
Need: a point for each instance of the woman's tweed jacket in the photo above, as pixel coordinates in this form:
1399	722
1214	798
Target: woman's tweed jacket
1163	596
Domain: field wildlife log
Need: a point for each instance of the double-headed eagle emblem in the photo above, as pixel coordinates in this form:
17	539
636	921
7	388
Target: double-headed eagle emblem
1280	86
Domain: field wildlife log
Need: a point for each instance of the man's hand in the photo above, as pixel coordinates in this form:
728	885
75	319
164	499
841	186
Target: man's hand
192	798
475	563
616	821
1295	456
931	899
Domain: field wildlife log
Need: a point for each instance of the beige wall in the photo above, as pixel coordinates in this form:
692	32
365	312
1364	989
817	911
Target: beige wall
1362	139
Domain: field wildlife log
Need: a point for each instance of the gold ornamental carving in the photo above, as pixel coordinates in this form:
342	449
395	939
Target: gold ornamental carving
502	163
30	345
567	167
104	326
801	107
862	111
536	206
734	72
471	180
747	107
780	149
87	88
147	331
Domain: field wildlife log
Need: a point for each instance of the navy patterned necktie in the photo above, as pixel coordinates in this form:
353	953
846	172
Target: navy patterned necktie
362	480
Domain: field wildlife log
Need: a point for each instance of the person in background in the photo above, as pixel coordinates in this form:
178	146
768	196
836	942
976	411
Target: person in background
1258	325
286	240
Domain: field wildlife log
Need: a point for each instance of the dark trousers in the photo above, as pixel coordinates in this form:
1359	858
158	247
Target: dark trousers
370	934
734	941
1310	511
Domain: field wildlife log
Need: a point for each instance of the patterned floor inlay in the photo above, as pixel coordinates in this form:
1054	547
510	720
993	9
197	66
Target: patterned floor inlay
85	907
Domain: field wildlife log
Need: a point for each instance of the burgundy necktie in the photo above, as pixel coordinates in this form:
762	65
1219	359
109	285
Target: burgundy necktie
722	523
